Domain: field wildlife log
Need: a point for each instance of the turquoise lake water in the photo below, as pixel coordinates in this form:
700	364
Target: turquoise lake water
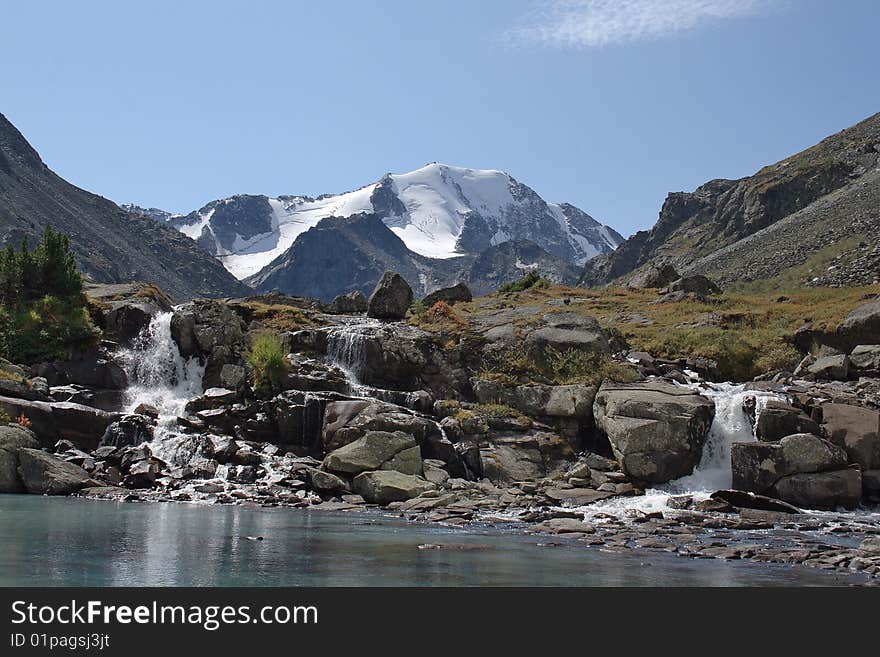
47	541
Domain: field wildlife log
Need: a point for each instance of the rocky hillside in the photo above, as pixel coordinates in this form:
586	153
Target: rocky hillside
337	256
759	226
506	262
526	405
341	255
111	245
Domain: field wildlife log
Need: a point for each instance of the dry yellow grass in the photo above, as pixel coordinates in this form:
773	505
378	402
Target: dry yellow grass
279	317
749	332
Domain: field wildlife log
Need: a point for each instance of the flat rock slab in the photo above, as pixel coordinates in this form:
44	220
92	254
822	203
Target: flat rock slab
104	492
745	500
335	506
565	526
577	496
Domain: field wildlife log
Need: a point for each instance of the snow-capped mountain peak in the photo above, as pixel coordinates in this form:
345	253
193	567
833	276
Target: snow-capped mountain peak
154	213
438	211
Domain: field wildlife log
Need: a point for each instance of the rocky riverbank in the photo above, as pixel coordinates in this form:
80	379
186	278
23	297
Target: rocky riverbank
539	417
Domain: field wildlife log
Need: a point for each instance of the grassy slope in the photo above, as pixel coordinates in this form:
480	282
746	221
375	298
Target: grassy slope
748	330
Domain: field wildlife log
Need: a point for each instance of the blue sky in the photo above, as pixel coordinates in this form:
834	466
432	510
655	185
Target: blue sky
607	104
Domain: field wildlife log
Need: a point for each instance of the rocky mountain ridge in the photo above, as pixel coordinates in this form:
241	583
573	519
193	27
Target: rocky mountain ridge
111	245
728	228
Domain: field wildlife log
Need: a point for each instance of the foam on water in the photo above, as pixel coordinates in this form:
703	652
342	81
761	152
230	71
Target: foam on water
159	376
346	347
730	425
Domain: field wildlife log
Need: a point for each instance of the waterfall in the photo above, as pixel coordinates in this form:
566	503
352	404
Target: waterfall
159	376
730	425
347	347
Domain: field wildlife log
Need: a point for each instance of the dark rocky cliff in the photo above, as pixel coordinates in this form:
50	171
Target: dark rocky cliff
720	213
111	244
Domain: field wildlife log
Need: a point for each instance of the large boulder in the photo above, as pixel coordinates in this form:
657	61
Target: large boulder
458	292
212	331
51	422
836	367
348	304
806	453
12	438
569	401
656	430
370	452
128	431
386	486
865	358
696	284
126	320
212	398
758	466
21	389
777	419
45	474
857	430
106	400
755	466
95	372
861	326
391	298
233	377
653	275
407	461
508	457
347	421
822	490
327	482
311	374
339	415
201	326
564	331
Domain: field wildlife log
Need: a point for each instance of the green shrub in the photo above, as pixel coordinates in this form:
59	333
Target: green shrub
43	312
530	280
557	367
45	329
498	411
418	309
268	360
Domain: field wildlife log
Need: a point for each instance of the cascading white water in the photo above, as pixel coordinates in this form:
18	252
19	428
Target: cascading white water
159	376
347	350
730	425
346	346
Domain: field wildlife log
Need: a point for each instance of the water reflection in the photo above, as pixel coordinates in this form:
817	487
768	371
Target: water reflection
59	541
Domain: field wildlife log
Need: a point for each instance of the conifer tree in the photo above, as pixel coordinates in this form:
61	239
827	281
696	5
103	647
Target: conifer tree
29	272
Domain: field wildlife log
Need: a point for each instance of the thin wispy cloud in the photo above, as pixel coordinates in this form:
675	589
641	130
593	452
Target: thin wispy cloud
594	23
